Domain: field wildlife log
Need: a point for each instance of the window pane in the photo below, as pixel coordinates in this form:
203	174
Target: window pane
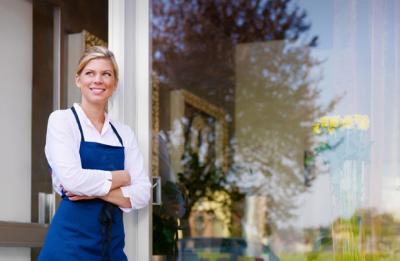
276	128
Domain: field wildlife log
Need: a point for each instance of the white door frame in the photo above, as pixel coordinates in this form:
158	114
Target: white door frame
129	39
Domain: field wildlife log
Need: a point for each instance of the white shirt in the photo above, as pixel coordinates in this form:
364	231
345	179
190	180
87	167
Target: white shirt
62	152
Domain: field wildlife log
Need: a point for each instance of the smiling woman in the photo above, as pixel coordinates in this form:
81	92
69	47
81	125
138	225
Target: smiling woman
97	76
96	81
95	165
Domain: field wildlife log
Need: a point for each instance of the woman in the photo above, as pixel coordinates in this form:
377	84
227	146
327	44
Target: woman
97	169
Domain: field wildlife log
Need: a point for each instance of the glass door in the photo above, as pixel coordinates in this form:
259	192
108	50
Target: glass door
274	129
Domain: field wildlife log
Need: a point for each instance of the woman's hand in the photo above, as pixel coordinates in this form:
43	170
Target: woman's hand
116	197
74	197
120	178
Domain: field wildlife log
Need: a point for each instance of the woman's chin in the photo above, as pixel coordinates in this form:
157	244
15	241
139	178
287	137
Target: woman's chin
97	101
96	97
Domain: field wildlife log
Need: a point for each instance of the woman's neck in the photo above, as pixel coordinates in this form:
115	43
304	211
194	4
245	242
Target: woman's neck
95	114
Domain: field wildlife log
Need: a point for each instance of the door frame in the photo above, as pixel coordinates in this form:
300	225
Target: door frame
129	39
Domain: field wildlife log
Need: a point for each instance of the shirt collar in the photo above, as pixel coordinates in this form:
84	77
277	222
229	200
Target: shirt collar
84	119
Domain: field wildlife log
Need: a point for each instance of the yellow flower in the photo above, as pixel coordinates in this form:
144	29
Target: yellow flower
331	123
357	120
331	130
316	128
324	121
334	122
347	121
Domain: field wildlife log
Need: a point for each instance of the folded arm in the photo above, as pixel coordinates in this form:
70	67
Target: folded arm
115	197
130	188
62	152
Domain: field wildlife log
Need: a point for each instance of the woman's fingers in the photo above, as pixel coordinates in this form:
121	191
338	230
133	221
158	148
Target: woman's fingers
73	197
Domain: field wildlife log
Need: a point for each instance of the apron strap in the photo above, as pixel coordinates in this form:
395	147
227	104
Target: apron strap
80	127
116	133
79	123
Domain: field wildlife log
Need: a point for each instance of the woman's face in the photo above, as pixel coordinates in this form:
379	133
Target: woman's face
96	81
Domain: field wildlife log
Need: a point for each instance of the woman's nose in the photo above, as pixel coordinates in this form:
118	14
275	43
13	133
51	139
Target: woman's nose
98	78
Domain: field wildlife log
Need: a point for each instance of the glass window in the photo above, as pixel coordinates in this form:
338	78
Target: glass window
276	129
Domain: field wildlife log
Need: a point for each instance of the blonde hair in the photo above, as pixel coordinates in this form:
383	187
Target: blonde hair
97	52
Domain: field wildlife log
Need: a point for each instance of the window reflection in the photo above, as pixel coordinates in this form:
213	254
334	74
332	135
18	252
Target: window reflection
278	152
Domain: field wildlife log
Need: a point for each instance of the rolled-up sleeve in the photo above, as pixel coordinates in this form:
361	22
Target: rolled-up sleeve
140	188
62	153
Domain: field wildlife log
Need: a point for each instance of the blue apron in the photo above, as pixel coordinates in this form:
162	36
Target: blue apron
88	229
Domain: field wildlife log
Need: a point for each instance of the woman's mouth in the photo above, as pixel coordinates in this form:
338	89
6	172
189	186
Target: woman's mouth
97	90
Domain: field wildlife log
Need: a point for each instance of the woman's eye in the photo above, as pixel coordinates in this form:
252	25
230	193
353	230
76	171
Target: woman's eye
107	74
89	73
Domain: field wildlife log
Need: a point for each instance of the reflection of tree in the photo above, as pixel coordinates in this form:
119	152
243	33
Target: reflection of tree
200	175
276	104
194	41
198	45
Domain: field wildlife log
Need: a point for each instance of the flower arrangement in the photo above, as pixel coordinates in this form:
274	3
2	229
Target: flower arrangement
339	139
346	138
344	145
329	124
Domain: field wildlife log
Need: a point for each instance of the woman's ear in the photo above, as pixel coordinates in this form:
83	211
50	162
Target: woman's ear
77	81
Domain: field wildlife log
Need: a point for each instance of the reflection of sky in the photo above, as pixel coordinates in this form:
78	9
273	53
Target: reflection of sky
344	46
320	15
359	46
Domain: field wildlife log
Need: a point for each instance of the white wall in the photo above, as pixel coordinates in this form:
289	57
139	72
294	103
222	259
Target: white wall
15	114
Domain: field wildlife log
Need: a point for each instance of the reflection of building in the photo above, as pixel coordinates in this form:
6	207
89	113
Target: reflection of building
266	157
207	125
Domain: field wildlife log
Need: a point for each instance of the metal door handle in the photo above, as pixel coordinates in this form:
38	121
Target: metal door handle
46	207
157	190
